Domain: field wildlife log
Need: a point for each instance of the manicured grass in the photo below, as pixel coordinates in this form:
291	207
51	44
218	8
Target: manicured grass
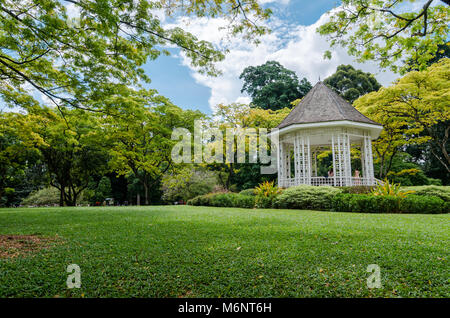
183	251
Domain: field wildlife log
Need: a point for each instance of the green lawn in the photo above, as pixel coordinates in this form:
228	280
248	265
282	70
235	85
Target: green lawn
183	251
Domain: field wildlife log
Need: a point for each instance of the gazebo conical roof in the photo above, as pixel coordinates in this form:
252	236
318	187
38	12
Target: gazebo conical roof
322	104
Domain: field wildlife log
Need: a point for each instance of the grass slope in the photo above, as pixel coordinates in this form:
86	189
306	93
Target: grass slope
182	251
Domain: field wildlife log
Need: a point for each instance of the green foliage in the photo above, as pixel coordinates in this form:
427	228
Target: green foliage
267	189
402	170
351	83
140	139
409	111
383	31
348	202
96	54
389	189
224	200
248	192
272	86
15	156
70	145
424	204
43	197
306	197
102	191
442	192
357	189
187	183
266	193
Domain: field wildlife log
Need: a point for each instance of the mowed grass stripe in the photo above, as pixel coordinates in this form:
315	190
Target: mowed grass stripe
183	251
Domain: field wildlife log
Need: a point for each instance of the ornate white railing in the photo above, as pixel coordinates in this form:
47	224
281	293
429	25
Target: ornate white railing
330	181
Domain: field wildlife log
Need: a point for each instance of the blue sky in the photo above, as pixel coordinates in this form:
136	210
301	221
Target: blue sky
174	80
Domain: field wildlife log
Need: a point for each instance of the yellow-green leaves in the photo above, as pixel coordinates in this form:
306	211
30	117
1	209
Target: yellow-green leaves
77	58
381	30
409	109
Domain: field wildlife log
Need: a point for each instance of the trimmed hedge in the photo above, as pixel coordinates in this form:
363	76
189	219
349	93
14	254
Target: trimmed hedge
442	192
357	189
350	202
347	202
306	197
224	200
327	198
424	204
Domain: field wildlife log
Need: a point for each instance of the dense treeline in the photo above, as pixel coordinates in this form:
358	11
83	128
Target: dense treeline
88	131
89	158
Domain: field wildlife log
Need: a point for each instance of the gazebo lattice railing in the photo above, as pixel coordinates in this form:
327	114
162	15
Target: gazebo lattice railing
298	157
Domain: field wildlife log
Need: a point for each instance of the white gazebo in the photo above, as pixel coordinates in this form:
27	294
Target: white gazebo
325	121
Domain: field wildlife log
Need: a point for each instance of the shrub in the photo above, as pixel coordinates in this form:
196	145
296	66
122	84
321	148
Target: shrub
262	202
390	189
357	189
442	192
243	201
266	193
187	183
248	192
267	189
201	200
46	196
223	200
423	204
306	197
446	208
348	202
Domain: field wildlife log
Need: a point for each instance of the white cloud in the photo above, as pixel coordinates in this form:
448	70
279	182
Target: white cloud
284	2
297	47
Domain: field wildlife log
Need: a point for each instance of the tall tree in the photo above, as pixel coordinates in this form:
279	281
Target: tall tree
351	83
140	137
422	154
14	154
413	107
76	52
382	30
70	146
272	86
235	116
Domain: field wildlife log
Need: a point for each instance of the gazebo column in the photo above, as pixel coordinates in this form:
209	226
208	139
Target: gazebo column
281	164
287	158
314	162
284	164
367	160
342	170
302	159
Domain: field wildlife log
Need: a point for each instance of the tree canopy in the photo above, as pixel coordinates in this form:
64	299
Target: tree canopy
272	86
79	58
383	31
351	83
410	111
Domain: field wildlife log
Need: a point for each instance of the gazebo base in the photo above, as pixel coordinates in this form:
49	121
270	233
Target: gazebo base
331	181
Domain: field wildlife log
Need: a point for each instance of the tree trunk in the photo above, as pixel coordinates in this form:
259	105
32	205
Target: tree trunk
138	199
61	197
146	193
